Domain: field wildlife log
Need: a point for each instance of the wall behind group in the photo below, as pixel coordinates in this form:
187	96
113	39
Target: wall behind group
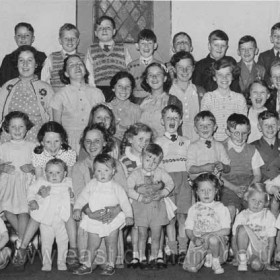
46	16
236	18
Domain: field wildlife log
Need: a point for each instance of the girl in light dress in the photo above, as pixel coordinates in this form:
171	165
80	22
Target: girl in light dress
72	104
157	82
126	112
99	193
16	172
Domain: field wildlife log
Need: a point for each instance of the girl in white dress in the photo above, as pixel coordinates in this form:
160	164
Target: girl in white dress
16	171
100	193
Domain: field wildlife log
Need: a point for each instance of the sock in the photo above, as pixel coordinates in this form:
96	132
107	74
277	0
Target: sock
143	258
160	254
242	258
183	244
173	247
135	255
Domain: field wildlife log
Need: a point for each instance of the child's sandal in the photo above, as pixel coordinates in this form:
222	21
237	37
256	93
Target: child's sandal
134	263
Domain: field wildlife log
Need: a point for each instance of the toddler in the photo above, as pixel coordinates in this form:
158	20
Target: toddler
254	230
149	207
52	210
99	193
207	226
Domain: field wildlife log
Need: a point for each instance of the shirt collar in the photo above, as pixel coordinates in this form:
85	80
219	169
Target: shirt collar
146	61
168	135
111	43
231	145
64	53
47	154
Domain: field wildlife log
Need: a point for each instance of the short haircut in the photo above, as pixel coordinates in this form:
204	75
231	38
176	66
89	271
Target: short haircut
28	26
147	34
26	48
153	149
172	108
68	27
181	34
207	177
204	115
181	55
237	119
265	115
257	188
260	82
275	27
274	64
247	39
224	63
105	159
16	115
218	35
56	161
102	18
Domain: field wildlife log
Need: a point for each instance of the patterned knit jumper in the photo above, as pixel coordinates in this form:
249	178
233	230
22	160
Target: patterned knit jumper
106	65
57	64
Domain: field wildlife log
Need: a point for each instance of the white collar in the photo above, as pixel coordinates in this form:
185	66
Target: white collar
146	61
64	53
132	157
233	146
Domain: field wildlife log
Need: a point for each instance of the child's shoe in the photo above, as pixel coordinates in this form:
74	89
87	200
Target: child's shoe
108	270
61	266
82	270
20	259
208	260
72	259
216	266
6	253
161	263
134	263
153	264
144	264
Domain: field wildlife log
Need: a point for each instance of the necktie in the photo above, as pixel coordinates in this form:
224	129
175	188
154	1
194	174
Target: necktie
173	137
106	48
208	144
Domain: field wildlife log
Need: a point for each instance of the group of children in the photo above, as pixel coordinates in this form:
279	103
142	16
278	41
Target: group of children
183	155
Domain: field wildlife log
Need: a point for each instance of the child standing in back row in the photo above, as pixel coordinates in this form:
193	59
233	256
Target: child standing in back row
106	57
69	38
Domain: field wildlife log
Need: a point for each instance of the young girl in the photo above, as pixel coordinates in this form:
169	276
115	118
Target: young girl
126	112
254	230
16	172
99	193
207	226
259	94
223	102
53	144
135	139
52	211
72	104
102	114
186	91
157	82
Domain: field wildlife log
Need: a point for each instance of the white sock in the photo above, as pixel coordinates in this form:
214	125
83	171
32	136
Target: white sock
135	255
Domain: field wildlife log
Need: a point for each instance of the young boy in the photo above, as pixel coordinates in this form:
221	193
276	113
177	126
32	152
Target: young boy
217	45
245	163
266	58
69	38
249	69
24	35
149	208
146	45
181	42
206	154
174	162
106	57
5	252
